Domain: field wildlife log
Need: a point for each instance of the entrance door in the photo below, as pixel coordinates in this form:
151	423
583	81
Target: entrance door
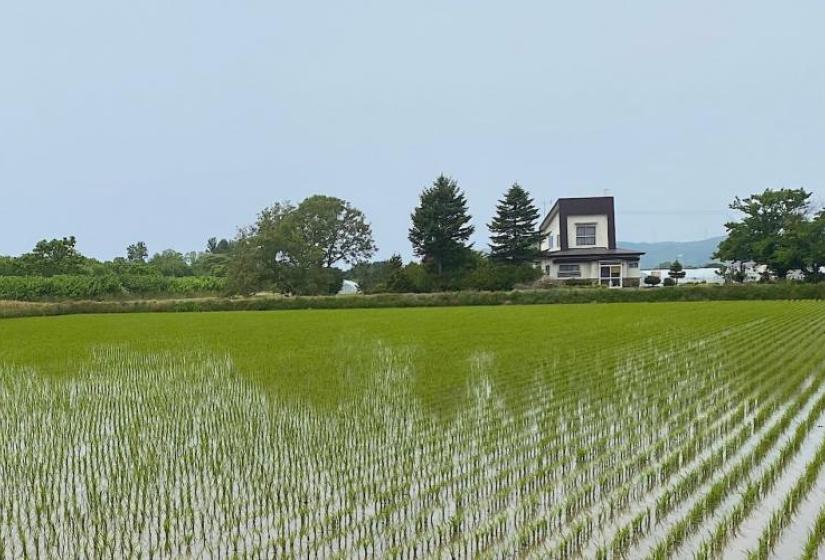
611	275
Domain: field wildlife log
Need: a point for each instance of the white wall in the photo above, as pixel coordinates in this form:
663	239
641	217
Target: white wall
601	229
552	227
590	270
692	275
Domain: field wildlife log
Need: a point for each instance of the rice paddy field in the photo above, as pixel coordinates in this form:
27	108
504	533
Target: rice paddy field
667	430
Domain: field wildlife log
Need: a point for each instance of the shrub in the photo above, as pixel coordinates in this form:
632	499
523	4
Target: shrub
490	276
105	286
653	280
669	282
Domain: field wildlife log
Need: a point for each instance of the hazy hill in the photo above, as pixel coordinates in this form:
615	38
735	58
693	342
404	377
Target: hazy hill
690	253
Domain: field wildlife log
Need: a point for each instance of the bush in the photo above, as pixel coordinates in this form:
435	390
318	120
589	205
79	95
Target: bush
489	276
33	288
669	282
105	286
653	280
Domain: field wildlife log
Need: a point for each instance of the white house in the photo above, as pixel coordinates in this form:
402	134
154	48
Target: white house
578	244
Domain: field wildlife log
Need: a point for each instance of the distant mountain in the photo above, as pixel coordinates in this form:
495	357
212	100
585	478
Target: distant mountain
689	253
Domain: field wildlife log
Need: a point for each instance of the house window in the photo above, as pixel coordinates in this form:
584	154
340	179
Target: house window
633	264
569	271
547	270
550	241
585	234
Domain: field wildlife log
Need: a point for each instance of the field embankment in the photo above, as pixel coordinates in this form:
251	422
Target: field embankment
560	295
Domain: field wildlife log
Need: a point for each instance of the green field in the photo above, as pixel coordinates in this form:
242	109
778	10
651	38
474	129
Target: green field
652	430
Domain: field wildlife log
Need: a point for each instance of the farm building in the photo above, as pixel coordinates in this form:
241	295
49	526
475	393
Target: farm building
578	244
348	288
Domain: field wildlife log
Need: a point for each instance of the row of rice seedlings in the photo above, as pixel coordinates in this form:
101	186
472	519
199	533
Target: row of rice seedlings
523	484
816	538
715	445
713	498
782	516
710	462
736	508
756	489
563	516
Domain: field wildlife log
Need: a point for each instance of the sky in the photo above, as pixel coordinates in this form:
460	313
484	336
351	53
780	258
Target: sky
172	122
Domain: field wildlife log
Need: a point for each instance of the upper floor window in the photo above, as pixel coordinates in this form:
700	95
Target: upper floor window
585	234
550	241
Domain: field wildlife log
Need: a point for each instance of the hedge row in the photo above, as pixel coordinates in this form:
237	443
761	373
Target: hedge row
526	297
110	286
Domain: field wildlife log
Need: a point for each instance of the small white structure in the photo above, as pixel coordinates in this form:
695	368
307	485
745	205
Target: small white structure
349	288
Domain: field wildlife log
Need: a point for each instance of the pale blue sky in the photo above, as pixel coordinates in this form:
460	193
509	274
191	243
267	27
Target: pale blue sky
171	122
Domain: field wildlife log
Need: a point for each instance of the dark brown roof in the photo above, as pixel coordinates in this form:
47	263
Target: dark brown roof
593	253
597	205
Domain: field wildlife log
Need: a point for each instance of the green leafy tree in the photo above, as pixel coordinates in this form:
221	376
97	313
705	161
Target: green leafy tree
676	271
514	236
768	228
137	252
803	248
441	226
9	266
246	272
216	247
55	256
294	249
170	263
397	279
375	277
269	237
324	231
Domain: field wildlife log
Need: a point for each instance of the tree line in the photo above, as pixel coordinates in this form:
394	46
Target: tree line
311	247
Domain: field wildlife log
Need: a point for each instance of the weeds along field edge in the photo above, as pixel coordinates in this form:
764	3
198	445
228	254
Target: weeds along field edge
580	450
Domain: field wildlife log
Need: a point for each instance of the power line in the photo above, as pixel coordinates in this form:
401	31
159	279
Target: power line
673	212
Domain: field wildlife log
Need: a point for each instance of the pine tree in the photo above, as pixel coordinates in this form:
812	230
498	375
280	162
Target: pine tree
676	271
440	225
514	236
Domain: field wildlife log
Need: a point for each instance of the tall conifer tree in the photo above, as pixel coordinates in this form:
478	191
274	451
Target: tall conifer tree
514	237
441	225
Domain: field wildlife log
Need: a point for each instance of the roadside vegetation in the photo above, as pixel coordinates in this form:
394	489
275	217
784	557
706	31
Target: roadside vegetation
553	295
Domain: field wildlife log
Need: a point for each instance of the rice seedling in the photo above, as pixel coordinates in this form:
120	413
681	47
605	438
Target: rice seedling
179	437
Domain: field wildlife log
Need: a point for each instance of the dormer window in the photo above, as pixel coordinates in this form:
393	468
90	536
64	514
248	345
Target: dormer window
585	234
